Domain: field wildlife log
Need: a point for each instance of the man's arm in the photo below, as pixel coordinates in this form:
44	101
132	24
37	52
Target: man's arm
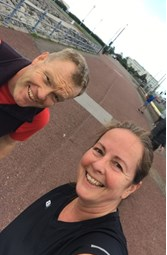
7	144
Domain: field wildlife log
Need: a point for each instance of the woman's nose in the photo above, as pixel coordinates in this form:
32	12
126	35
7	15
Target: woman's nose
100	165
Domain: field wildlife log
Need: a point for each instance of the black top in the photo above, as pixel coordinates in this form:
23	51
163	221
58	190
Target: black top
13	116
158	134
38	232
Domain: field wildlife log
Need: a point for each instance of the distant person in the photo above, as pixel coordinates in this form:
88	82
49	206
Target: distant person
28	88
158	135
149	99
162	116
83	218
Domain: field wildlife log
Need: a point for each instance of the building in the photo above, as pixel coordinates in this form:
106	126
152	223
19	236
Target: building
136	66
152	83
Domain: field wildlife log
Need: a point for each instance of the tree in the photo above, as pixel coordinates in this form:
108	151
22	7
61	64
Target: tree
108	50
143	78
61	5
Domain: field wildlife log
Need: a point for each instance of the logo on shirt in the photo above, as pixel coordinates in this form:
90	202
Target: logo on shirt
48	203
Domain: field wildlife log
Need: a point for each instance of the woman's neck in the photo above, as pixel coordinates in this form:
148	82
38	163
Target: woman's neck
77	210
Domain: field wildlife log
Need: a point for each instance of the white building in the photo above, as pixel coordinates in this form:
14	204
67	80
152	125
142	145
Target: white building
151	81
136	66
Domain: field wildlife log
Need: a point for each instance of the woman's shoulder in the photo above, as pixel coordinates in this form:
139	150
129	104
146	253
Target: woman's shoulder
102	238
67	188
106	232
62	191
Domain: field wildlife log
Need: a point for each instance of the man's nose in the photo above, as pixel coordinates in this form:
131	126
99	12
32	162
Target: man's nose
43	93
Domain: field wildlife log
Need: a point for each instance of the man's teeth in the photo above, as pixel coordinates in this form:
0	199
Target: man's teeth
92	181
30	94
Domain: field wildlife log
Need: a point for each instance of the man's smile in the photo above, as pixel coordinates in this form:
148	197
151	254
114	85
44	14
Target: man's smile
30	95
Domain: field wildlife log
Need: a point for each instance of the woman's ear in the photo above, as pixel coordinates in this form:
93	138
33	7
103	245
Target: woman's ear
41	57
131	189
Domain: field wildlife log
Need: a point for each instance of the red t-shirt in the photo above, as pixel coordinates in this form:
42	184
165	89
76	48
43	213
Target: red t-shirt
26	129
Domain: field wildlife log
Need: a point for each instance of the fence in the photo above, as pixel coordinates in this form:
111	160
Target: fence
30	17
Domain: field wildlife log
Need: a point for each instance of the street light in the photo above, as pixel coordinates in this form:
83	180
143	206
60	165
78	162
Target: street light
96	26
162	79
114	38
87	14
118	35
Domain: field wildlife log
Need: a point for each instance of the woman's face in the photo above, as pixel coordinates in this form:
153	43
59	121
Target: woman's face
106	171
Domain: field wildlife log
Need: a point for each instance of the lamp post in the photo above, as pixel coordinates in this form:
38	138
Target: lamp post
118	35
87	14
114	38
96	26
163	78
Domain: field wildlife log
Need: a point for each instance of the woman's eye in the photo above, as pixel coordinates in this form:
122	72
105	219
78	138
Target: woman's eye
98	150
117	165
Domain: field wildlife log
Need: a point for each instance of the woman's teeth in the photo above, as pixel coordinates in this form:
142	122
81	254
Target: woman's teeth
92	181
30	94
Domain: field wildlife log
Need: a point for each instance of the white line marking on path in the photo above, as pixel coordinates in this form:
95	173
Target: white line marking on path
118	72
94	108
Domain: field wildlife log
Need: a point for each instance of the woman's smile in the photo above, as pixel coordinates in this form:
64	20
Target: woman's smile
93	181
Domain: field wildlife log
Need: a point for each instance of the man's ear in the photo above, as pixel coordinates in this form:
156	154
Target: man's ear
41	57
131	189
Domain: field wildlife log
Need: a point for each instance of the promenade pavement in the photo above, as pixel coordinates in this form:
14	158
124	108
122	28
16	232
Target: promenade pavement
50	157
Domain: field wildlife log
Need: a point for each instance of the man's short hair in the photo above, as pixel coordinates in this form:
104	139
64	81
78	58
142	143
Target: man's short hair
81	76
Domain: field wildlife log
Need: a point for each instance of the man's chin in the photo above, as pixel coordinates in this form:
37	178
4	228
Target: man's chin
23	104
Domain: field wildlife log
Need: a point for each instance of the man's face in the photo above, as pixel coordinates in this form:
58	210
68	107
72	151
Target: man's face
43	83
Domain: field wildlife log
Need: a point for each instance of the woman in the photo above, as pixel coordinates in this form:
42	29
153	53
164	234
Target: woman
84	219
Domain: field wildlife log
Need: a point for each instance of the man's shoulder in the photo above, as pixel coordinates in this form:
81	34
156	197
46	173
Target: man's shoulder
42	118
10	62
27	129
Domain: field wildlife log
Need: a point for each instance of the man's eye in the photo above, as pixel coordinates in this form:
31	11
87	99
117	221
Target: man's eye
47	80
56	97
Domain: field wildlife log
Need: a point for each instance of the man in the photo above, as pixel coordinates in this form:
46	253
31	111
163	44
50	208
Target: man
27	89
158	135
149	99
161	117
